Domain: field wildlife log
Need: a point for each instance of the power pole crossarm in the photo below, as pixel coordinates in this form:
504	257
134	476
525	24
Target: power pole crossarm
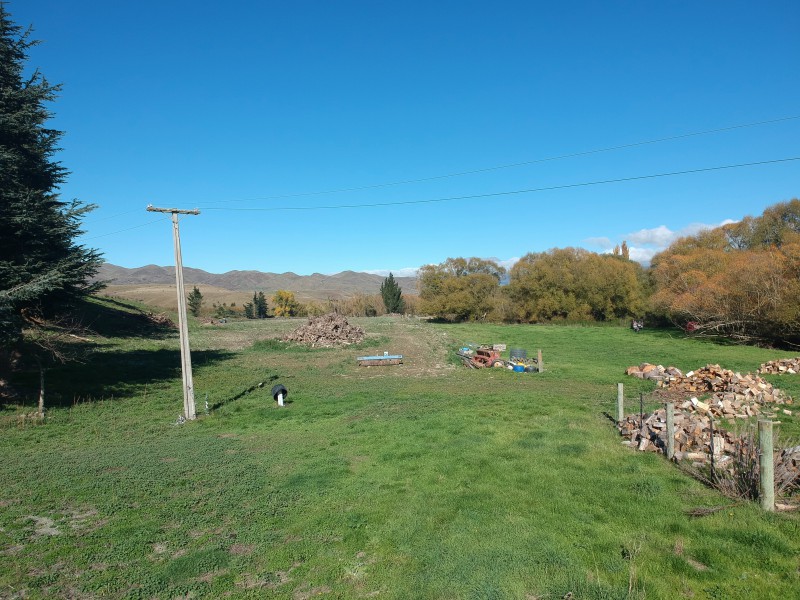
186	356
178	211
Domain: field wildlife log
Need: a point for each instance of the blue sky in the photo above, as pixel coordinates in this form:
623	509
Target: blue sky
246	109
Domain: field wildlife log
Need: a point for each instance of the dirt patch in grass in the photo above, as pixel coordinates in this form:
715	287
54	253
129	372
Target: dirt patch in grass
696	564
85	521
270	581
12	550
304	593
209	577
44	526
424	349
241	549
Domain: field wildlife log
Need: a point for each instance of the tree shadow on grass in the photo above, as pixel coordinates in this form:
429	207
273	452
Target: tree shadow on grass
248	390
110	317
115	374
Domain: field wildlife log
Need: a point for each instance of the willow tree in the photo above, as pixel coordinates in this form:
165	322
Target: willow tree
739	281
572	284
460	289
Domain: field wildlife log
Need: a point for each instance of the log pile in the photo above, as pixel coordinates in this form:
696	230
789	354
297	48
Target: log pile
656	373
692	435
732	396
327	331
734	389
783	366
787	469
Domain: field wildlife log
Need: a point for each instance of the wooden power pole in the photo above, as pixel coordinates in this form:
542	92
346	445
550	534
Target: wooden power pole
186	356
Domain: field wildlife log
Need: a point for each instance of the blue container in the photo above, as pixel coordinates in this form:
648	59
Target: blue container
519	368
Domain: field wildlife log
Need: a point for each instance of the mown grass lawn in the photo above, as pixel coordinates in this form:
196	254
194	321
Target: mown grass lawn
425	480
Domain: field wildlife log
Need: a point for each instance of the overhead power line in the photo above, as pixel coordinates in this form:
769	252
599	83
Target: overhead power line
512	192
123	230
518	164
474	171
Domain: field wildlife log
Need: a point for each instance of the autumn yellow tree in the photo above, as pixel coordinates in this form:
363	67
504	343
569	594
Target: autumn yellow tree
459	289
739	281
284	304
573	284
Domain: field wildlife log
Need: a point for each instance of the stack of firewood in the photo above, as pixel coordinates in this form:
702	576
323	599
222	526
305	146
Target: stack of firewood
731	396
733	387
656	373
692	434
783	366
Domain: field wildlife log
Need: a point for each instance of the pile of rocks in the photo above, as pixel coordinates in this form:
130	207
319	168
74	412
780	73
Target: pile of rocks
327	331
783	366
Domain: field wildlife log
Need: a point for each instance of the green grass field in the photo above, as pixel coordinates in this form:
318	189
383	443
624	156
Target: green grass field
425	480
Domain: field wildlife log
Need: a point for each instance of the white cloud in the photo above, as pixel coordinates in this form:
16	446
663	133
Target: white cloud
694	228
404	272
600	242
508	263
414	271
642	255
646	243
660	236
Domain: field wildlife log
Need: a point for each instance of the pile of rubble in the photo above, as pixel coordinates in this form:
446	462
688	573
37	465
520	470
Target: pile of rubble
327	331
732	396
787	366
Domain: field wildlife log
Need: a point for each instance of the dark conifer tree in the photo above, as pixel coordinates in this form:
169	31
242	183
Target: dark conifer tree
260	303
392	295
42	268
195	300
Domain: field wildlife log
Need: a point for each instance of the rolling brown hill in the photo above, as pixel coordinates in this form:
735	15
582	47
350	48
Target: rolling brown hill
306	287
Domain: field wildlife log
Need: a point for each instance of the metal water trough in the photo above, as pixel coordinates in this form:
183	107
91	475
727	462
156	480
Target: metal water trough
380	360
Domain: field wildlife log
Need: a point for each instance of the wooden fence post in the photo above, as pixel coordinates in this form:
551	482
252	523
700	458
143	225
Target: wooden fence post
670	430
713	449
766	466
641	409
620	404
540	362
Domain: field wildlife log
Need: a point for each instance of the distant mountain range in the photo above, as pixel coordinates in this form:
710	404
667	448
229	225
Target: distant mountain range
340	285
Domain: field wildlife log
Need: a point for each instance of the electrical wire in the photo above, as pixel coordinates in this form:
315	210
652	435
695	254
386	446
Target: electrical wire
482	170
518	164
509	193
101	219
123	230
